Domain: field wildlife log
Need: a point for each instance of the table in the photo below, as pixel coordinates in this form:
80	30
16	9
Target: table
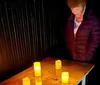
50	76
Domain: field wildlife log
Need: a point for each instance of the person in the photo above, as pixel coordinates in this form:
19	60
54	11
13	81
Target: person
82	32
82	35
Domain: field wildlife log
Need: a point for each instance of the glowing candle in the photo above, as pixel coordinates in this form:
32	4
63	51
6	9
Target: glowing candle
26	81
37	68
58	64
65	77
39	82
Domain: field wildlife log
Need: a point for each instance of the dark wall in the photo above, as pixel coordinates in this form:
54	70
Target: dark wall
27	30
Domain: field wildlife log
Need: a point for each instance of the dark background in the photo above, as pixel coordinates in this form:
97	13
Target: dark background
30	30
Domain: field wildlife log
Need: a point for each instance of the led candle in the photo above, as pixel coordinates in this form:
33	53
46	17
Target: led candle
38	82
37	68
58	64
26	81
65	77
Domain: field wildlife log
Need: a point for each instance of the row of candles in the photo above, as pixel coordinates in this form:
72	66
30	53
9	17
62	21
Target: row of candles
26	81
37	72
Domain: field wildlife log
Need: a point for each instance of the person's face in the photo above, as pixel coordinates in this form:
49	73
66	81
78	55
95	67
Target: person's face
77	11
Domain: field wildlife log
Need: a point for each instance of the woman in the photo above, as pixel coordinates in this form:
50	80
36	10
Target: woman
82	32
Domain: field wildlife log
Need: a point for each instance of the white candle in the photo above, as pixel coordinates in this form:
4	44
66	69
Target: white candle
26	81
37	68
58	64
65	77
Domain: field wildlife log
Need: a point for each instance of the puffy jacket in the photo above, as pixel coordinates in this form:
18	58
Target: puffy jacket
84	45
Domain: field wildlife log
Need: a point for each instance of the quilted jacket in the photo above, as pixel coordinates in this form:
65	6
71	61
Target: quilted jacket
84	45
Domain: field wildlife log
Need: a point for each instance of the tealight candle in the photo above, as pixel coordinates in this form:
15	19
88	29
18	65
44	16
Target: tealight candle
65	77
37	68
58	64
26	81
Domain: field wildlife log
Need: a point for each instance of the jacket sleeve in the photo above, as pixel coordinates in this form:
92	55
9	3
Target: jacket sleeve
95	32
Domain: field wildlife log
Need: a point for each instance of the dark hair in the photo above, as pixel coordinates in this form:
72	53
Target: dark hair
75	3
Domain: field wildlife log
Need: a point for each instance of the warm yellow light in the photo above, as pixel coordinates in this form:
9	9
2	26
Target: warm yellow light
65	77
38	82
37	68
58	64
26	81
